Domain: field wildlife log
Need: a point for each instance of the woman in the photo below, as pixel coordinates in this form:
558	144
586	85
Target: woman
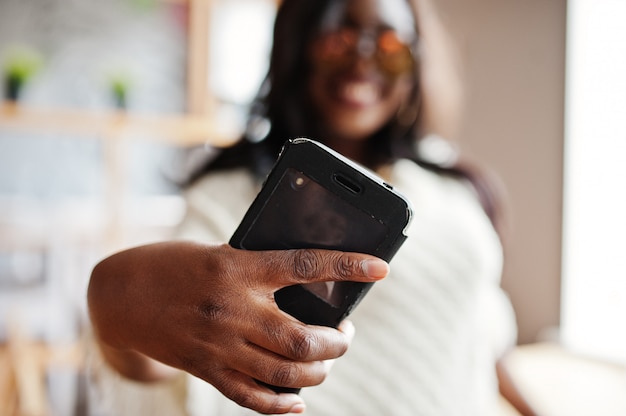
347	73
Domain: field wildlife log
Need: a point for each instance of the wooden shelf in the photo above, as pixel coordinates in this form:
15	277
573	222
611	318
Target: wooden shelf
25	363
114	129
182	130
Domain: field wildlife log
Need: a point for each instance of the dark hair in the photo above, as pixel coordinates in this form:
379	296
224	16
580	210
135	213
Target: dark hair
282	102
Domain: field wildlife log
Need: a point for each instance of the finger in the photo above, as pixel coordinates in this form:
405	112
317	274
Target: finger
246	392
307	265
348	329
275	370
283	335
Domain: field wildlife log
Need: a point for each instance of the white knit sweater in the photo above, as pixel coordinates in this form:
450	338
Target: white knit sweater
427	337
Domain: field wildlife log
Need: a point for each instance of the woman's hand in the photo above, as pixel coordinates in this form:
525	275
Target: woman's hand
210	310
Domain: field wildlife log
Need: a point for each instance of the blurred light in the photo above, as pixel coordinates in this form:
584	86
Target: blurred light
594	264
241	33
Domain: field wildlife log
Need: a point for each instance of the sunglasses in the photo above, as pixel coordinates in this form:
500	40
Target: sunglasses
338	49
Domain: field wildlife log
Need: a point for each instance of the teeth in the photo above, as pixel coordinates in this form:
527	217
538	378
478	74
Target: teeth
361	92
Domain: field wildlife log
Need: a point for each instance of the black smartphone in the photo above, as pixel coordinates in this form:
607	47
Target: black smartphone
315	198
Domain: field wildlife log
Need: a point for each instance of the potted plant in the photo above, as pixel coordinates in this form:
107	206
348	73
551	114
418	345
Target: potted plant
19	67
119	85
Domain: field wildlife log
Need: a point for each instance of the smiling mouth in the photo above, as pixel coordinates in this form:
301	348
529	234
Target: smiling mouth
359	93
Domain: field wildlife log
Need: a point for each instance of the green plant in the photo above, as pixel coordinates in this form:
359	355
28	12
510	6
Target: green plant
21	64
119	85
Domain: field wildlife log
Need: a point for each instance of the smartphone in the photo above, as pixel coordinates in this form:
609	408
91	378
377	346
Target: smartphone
315	198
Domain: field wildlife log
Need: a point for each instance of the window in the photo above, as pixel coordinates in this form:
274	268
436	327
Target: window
594	252
240	47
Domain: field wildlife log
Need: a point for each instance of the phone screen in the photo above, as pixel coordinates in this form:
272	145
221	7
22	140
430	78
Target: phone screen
300	213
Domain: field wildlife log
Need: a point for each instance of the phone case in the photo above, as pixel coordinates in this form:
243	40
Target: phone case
315	198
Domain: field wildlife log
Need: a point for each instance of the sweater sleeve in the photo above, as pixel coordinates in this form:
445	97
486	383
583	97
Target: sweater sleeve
216	204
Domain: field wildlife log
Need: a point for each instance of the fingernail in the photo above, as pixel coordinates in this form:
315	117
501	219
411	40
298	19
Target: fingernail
375	268
297	408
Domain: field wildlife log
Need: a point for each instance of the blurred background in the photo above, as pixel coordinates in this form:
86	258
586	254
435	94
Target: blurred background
106	104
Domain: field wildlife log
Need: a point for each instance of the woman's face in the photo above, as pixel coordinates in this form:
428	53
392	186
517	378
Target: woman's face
361	67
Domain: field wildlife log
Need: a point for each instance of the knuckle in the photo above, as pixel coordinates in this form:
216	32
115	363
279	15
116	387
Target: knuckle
306	264
212	311
345	267
194	361
302	345
285	375
245	398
